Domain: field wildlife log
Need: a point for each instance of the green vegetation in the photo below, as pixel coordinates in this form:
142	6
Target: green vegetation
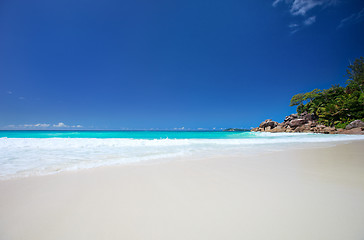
336	106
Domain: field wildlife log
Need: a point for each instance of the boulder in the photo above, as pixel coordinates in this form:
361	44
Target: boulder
278	129
355	131
355	124
307	127
299	129
319	128
297	122
290	117
255	129
311	123
268	123
329	130
308	116
341	131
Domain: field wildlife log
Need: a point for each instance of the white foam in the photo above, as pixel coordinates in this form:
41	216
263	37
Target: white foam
34	156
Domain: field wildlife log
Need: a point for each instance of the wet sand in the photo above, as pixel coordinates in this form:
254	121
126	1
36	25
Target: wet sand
315	193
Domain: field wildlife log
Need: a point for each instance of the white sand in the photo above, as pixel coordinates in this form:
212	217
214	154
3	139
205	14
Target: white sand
296	194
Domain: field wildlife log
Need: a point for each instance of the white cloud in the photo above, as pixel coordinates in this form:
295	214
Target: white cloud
275	3
43	125
61	124
10	92
310	20
37	125
300	8
21	98
293	25
352	19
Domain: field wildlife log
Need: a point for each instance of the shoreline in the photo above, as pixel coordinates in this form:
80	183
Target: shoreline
247	149
311	193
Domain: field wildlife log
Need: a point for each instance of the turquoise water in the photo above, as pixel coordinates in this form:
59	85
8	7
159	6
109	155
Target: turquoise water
127	134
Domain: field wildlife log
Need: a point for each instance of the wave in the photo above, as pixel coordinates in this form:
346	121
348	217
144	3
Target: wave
38	156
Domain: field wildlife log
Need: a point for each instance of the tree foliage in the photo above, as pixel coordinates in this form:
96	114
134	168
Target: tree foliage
336	106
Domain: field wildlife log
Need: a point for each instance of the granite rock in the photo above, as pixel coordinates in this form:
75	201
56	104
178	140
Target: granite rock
355	124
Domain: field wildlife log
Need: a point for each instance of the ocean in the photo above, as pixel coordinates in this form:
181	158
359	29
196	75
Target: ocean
27	153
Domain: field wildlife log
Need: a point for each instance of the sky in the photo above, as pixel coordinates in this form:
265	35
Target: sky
165	64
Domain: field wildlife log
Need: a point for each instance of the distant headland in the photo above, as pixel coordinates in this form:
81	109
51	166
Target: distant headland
236	130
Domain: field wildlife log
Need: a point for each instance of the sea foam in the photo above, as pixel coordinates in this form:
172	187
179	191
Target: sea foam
38	156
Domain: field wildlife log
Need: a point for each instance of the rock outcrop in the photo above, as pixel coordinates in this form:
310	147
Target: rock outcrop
268	124
307	122
355	124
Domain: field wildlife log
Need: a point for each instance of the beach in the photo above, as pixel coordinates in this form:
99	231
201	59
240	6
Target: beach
308	193
181	120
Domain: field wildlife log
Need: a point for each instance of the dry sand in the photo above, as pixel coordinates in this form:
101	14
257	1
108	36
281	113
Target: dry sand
295	194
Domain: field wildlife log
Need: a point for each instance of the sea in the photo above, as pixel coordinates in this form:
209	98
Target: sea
29	153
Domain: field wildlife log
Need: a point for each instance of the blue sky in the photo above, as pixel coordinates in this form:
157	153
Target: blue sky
168	64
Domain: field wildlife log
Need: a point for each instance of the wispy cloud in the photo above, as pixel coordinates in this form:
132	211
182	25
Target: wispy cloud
294	27
42	126
352	19
309	21
9	92
62	125
275	3
301	8
37	125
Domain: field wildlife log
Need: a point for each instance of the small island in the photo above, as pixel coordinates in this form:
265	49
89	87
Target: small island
236	130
